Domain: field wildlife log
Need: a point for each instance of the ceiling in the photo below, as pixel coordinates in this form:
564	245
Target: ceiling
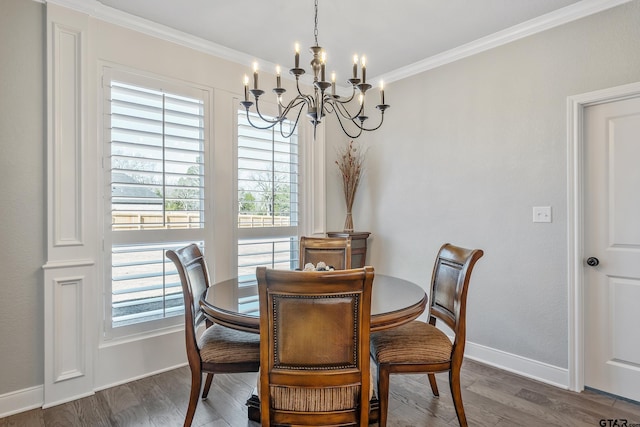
392	35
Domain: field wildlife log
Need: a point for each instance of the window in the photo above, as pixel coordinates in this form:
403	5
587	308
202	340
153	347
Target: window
268	216
155	168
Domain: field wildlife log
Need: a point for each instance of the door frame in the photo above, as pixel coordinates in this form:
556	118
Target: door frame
576	106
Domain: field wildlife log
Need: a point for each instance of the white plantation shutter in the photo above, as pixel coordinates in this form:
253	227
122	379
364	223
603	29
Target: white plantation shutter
268	204
155	154
156	158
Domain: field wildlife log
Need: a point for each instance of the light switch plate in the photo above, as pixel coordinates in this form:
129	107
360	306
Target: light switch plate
542	214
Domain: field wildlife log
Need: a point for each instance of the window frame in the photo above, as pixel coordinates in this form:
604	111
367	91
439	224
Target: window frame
146	80
303	196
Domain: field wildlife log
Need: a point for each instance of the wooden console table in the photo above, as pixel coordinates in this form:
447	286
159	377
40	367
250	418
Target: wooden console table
358	245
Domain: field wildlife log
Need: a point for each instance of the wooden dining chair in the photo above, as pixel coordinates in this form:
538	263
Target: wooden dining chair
420	347
314	347
218	349
333	251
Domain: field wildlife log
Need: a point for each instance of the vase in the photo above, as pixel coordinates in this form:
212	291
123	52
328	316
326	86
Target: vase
348	223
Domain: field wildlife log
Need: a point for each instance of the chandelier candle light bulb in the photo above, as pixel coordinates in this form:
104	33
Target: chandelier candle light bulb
278	82
255	75
246	88
364	69
333	84
355	66
381	92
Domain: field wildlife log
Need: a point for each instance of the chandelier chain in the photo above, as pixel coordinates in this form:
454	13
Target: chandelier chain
315	27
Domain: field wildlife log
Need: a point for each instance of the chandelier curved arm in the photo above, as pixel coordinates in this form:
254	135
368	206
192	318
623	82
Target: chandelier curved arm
300	93
341	110
346	100
374	128
293	128
265	119
269	125
360	125
291	105
345	129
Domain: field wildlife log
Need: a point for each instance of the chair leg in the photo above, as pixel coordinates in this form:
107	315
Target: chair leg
456	393
207	385
196	382
383	395
434	384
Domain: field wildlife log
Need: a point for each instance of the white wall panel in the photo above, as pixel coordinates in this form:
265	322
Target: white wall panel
68	328
66	93
70	269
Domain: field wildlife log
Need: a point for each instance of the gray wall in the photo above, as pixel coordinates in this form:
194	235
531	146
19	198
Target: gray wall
467	150
22	177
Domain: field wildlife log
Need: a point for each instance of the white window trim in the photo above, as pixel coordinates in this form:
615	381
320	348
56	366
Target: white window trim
110	335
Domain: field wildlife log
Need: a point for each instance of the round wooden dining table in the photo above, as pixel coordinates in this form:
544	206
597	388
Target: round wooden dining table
394	302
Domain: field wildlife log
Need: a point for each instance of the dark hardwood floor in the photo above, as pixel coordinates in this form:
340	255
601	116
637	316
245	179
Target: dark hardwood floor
492	397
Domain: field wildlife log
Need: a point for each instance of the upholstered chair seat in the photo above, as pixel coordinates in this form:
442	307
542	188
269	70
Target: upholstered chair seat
414	343
220	345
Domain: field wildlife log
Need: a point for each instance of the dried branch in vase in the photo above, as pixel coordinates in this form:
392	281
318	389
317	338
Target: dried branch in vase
350	163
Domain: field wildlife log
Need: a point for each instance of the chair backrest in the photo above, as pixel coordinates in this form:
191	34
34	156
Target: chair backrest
194	277
333	251
449	286
314	346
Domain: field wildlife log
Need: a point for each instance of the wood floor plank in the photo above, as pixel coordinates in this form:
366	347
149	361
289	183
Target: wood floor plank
125	407
492	397
31	418
93	411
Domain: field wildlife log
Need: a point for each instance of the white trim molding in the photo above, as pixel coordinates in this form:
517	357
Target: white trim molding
529	368
69	271
562	16
575	227
21	400
542	23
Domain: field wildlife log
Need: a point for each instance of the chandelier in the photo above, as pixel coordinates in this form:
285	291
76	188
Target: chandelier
322	101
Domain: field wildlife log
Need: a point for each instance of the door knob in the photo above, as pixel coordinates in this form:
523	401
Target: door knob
593	261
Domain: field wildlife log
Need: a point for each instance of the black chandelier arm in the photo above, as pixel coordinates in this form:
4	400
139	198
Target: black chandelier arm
300	93
341	110
269	126
272	122
329	106
292	105
377	127
360	125
347	100
293	128
346	131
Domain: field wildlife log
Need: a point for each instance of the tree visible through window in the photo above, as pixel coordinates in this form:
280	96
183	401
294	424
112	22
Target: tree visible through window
267	169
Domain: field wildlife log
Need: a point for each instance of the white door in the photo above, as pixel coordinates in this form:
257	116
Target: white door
612	241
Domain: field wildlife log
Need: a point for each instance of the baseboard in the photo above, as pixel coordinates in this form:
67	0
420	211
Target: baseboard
31	398
138	377
533	369
21	400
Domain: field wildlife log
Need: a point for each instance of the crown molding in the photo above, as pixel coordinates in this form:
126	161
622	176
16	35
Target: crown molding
542	23
113	16
553	19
